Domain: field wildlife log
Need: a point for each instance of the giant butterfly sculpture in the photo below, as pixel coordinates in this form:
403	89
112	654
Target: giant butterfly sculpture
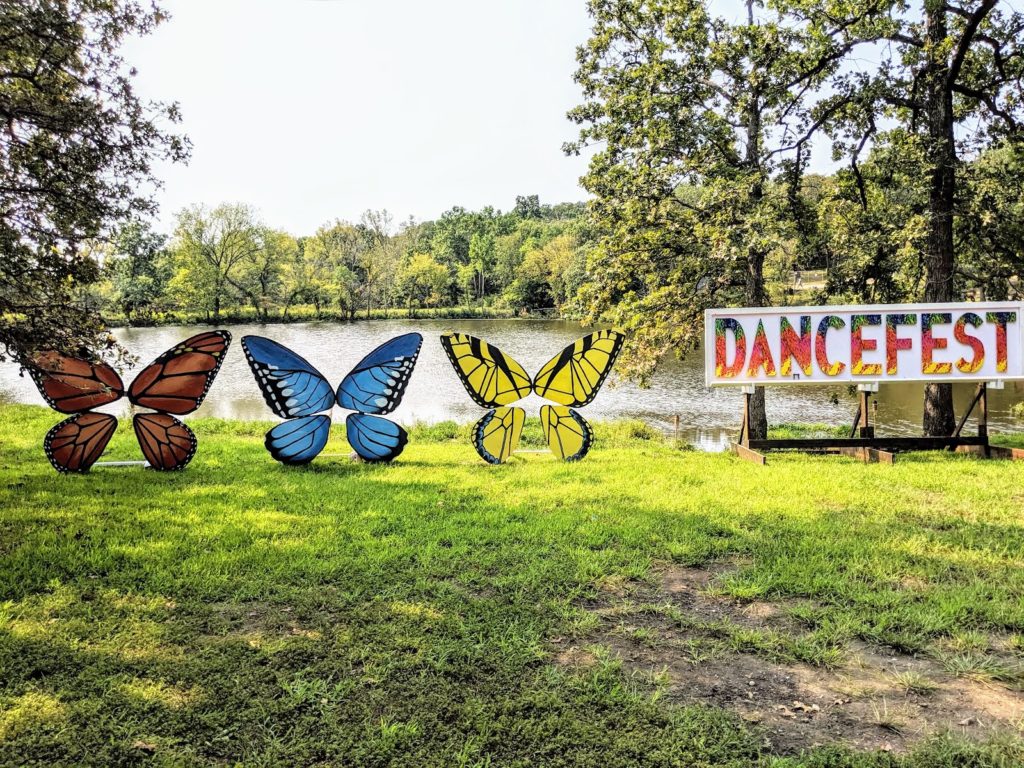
572	379
174	383
297	391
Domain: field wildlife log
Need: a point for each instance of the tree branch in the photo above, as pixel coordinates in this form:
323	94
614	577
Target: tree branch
973	22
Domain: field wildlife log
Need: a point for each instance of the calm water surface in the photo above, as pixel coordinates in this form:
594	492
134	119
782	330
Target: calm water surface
707	417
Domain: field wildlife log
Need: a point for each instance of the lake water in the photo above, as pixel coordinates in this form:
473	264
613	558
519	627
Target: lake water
708	418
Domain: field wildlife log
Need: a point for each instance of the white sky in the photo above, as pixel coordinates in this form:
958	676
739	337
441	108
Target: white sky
311	110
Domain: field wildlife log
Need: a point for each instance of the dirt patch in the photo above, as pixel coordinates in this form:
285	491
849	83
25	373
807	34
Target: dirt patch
704	648
255	622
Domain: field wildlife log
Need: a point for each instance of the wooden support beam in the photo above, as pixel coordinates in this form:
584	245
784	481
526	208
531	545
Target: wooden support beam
856	422
983	418
1002	452
745	426
869	455
880	456
978	393
854	453
866	430
748	453
879	443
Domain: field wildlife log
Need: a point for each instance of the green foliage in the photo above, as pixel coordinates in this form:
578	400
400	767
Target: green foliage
246	613
423	280
224	263
139	271
77	147
701	133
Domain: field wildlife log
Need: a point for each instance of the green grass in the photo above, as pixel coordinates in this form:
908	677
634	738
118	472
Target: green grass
801	431
245	613
1014	440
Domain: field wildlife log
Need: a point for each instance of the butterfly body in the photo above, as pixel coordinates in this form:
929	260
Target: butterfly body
175	383
495	381
298	392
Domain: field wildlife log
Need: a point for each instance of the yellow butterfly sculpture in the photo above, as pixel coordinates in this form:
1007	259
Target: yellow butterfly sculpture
495	381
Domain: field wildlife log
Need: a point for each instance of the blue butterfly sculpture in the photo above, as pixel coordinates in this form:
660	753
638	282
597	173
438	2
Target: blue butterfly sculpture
297	391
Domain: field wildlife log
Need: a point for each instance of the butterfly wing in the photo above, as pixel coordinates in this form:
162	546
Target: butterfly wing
374	438
490	377
377	384
290	385
300	440
178	380
574	376
568	434
72	385
497	434
167	444
75	444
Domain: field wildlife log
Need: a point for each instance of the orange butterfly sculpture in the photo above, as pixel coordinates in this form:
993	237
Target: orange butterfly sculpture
174	383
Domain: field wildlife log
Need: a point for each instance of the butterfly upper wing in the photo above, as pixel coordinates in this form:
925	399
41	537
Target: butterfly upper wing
75	444
72	385
574	376
491	378
166	442
374	438
497	434
568	434
178	380
290	385
377	383
299	440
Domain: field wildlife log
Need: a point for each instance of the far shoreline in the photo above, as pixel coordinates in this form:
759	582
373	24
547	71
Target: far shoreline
250	317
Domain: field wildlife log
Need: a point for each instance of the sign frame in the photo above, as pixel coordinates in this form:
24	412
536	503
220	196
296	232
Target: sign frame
792	312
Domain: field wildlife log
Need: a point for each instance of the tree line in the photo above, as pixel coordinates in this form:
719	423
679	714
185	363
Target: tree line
224	262
703	125
863	232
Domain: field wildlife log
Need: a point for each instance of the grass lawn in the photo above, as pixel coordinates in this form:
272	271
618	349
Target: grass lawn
442	612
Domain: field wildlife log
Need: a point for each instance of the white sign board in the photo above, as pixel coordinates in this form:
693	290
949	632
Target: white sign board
980	341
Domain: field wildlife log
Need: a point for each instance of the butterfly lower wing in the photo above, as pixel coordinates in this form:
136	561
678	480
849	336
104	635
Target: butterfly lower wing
377	383
490	377
290	385
75	444
73	385
167	444
374	438
178	380
299	441
574	376
497	434
568	434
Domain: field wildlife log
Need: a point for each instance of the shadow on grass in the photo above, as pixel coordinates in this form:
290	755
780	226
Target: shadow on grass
401	615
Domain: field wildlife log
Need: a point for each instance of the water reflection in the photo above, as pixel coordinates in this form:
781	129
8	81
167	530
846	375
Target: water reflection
708	418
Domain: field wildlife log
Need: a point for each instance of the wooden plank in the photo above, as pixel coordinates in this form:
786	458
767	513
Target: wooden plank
869	455
746	453
853	453
977	450
880	443
883	457
1002	452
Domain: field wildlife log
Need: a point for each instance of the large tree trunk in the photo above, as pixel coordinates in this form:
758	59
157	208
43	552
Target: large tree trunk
938	416
755	294
756	297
